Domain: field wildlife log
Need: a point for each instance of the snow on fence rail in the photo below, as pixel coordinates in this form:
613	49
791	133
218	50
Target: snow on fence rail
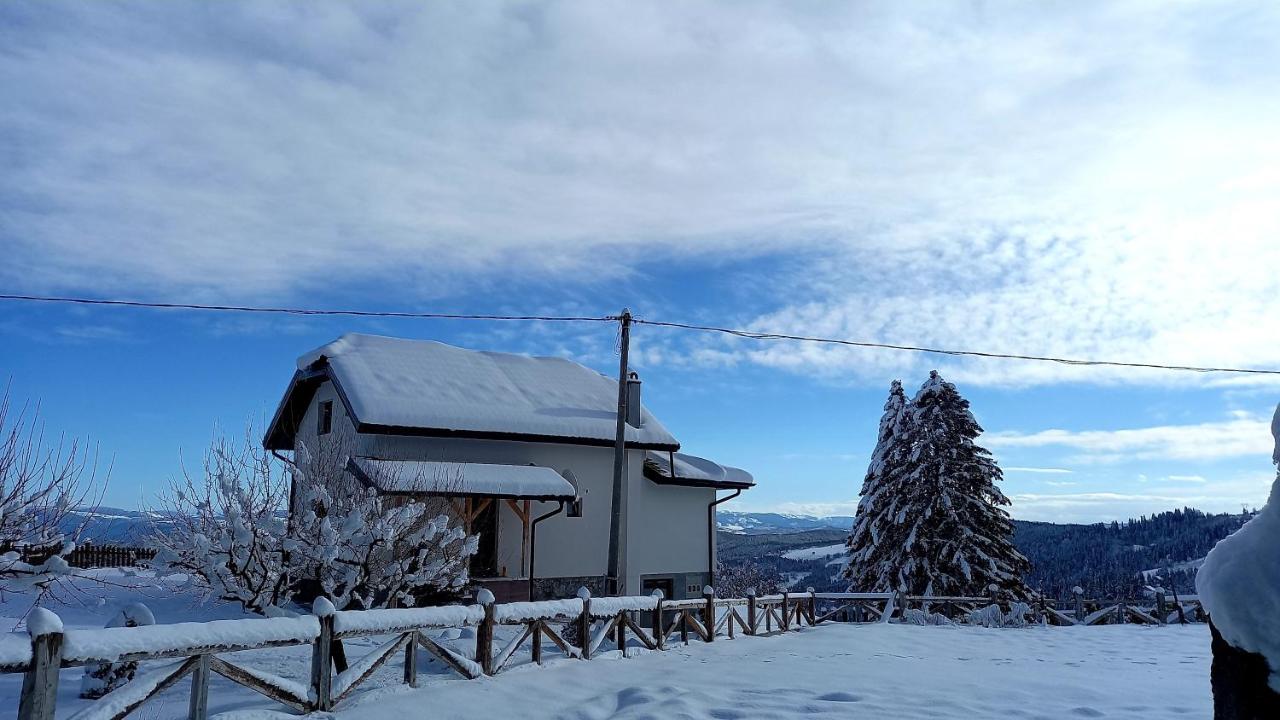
647	621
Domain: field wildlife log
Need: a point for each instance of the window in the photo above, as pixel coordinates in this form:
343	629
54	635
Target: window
324	419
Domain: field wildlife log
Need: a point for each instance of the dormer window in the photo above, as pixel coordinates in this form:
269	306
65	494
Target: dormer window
324	419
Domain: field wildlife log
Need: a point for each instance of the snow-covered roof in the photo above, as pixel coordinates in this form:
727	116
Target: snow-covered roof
695	471
463	479
422	387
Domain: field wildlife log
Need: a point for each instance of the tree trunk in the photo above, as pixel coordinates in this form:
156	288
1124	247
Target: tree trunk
1239	677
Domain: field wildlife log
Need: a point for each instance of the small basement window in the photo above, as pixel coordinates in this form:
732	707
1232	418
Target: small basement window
324	419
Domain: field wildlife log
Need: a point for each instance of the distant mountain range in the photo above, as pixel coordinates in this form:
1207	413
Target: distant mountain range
112	526
748	523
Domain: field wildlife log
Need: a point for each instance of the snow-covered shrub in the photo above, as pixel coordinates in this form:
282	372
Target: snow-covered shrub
225	530
917	616
362	550
103	677
993	617
40	486
235	534
1239	584
733	579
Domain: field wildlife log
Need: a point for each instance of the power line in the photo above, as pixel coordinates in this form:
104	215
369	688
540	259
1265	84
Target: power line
303	311
748	334
752	335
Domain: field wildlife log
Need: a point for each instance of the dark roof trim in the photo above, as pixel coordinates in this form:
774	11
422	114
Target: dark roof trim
354	468
370	429
658	477
284	425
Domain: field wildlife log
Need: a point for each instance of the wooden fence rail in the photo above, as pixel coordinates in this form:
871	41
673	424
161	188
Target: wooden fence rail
85	555
198	648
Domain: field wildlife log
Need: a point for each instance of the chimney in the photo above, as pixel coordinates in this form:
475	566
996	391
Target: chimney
633	400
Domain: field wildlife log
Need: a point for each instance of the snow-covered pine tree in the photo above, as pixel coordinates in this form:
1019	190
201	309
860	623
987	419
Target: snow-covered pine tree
938	526
958	537
866	564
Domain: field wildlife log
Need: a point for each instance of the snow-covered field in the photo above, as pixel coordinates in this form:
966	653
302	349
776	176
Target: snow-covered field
873	671
815	553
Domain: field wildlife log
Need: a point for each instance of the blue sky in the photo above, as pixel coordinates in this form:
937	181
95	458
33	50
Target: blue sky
1082	180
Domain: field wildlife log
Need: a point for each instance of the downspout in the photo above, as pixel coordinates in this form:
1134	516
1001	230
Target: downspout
533	542
711	535
293	490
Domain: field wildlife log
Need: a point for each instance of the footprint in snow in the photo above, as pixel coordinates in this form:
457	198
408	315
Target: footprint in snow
840	697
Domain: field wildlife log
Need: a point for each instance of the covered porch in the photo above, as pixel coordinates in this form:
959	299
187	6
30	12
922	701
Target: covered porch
478	494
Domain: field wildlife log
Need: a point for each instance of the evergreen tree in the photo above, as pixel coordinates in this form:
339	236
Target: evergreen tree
878	504
934	519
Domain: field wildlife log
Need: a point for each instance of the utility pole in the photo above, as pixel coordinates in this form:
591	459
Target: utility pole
615	582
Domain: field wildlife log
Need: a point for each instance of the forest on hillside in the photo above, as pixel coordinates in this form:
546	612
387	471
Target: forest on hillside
1105	559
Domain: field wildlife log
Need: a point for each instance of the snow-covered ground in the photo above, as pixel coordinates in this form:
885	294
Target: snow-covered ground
815	553
873	671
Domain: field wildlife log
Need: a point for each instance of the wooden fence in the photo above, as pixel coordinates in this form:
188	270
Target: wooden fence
198	649
85	555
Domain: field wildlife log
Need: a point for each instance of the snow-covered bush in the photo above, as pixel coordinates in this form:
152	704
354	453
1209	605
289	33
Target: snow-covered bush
993	617
104	677
40	485
1239	584
225	529
362	550
917	616
234	532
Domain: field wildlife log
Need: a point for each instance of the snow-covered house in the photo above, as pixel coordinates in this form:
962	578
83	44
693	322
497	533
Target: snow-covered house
524	447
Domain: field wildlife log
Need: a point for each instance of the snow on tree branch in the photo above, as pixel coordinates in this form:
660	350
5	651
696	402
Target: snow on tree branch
930	520
41	484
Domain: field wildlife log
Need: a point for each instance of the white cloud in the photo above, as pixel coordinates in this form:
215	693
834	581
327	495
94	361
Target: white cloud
1185	478
996	177
1038	470
1203	441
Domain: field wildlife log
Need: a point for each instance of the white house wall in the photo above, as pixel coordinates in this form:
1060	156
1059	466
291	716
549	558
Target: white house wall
668	535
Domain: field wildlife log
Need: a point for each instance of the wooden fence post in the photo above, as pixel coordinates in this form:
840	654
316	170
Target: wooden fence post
322	655
40	683
411	661
1162	611
709	611
198	706
1078	592
786	615
537	642
484	633
620	629
812	606
584	623
659	625
751	611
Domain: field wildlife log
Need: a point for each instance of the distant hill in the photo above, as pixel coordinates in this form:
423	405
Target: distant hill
747	523
111	526
1106	559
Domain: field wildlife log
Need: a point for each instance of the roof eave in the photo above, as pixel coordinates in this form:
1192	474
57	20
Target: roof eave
661	478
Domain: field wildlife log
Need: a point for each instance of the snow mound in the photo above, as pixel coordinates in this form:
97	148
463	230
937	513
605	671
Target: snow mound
1239	583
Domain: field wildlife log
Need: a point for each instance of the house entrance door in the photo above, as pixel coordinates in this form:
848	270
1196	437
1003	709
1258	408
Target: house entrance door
484	564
